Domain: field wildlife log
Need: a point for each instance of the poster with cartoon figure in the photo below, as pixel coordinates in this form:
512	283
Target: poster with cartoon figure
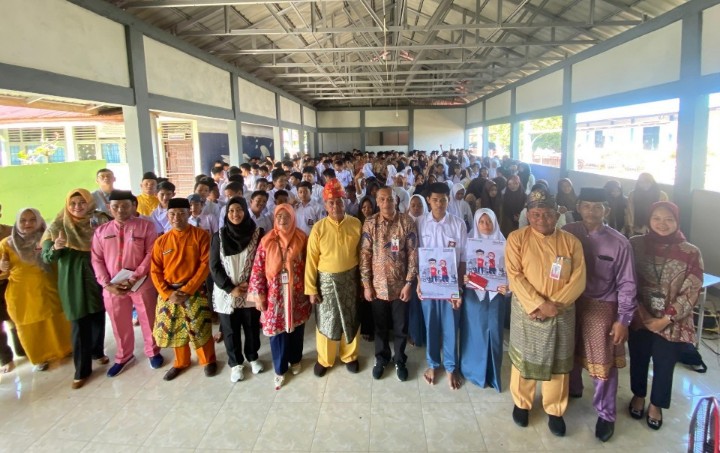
438	273
485	264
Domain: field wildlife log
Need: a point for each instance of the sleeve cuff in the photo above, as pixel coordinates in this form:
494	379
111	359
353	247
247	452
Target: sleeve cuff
625	319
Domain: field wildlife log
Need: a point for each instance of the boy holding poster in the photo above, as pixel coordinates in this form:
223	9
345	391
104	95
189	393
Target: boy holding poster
439	229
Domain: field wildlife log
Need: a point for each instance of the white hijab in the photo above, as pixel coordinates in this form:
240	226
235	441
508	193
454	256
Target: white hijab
424	205
495	235
454	205
391	172
367	171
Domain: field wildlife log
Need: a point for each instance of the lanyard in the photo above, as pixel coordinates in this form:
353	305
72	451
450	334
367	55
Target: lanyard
283	255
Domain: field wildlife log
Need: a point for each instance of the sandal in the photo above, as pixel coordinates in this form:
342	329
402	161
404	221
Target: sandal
637	414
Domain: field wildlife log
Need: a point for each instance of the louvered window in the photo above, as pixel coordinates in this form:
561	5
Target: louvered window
104	141
23	142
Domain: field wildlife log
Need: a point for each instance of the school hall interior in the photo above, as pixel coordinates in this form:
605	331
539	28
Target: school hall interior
590	90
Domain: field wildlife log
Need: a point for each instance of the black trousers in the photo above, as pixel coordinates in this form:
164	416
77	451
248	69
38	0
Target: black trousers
88	338
390	316
645	345
248	320
287	349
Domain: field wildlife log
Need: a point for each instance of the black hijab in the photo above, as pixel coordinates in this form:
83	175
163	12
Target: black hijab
643	199
236	237
361	216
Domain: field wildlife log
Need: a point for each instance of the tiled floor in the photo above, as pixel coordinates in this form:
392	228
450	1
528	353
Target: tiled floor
138	411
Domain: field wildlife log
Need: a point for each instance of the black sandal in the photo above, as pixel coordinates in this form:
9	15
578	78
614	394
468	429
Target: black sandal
654	423
637	414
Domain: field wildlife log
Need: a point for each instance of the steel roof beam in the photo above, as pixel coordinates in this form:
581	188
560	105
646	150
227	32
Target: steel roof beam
196	3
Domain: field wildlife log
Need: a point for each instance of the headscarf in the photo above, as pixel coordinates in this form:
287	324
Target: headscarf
26	245
368	171
78	230
278	242
677	237
643	200
501	183
495	235
424	205
236	237
524	174
361	216
618	205
454	205
513	201
391	172
569	200
493	203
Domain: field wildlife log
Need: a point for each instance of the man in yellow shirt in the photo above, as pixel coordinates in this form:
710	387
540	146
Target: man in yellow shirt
148	200
331	281
546	271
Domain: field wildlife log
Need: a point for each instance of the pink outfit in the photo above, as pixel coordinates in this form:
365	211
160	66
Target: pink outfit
116	247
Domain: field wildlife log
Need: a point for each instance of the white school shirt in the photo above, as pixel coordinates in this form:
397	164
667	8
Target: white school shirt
264	221
345	177
308	215
450	231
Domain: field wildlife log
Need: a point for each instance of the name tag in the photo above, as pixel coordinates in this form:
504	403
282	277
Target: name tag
284	277
560	268
395	245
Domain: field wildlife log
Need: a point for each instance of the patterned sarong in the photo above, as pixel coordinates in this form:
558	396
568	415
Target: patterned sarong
594	348
177	325
539	349
338	312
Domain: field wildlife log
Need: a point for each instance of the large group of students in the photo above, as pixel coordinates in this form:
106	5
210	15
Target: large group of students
261	246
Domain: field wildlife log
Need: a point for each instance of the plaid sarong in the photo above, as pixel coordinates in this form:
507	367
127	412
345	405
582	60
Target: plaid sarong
539	349
594	348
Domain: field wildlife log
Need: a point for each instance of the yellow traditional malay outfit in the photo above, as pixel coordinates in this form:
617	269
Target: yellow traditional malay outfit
543	268
331	271
32	296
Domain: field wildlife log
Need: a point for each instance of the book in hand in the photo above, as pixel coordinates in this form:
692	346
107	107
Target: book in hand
476	281
126	274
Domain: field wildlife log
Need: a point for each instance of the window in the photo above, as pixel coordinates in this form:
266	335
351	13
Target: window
499	140
103	141
626	141
475	141
291	141
36	145
712	167
540	141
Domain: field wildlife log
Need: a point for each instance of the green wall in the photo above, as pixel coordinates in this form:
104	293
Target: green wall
43	186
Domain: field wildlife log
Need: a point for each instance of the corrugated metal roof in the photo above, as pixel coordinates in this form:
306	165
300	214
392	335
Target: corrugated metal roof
404	52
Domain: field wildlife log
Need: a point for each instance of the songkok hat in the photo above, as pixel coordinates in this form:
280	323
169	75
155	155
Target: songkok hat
540	198
121	195
593	195
195	198
179	203
333	189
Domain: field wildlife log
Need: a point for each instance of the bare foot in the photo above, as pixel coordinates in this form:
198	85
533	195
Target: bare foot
8	367
429	376
454	380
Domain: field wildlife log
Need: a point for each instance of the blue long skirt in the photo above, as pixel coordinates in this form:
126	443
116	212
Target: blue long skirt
481	339
416	322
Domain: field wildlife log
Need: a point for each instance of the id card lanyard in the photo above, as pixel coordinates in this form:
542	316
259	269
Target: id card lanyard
284	283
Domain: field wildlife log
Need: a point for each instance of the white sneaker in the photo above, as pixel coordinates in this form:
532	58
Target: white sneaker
296	368
237	373
279	379
256	366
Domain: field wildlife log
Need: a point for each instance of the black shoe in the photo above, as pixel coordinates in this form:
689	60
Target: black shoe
575	395
378	369
172	373
402	372
210	369
353	366
604	429
319	370
654	423
637	414
556	425
520	416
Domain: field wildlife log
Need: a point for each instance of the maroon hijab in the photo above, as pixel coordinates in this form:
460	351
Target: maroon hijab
677	237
